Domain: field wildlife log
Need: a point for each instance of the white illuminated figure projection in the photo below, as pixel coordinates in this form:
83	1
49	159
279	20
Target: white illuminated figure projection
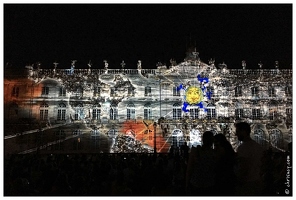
191	97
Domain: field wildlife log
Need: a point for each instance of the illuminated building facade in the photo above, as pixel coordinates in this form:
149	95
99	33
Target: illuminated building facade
184	99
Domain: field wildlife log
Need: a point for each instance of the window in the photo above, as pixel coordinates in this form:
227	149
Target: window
130	111
255	91
288	91
259	136
211	111
256	113
177	112
210	92
147	91
45	90
15	91
62	92
289	114
113	111
147	111
176	91
275	137
239	112
97	91
130	90
272	114
194	113
43	112
238	91
96	112
112	92
61	112
79	92
79	114
271	92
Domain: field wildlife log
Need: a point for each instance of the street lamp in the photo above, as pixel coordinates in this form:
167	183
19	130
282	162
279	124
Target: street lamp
154	125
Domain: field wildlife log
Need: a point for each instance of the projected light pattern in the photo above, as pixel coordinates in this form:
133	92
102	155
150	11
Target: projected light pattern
184	96
194	95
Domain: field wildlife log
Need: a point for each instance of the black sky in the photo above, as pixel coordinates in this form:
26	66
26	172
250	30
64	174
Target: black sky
147	32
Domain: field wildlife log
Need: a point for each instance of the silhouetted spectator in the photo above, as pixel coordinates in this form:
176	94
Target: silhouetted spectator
249	161
225	177
200	176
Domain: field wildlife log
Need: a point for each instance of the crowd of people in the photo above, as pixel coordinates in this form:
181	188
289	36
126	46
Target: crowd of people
212	169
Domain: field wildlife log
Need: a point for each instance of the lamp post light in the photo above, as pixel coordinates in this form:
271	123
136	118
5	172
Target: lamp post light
154	125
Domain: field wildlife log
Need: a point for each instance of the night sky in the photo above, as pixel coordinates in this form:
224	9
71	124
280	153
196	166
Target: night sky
148	32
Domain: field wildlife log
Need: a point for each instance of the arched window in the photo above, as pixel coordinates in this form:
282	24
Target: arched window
259	136
43	113
130	111
147	91
177	112
96	112
275	137
113	111
61	112
147	111
211	111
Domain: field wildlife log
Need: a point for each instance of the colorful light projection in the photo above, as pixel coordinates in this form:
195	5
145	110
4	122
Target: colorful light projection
195	95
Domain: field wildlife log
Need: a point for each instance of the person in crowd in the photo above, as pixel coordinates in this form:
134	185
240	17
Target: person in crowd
225	177
200	175
248	163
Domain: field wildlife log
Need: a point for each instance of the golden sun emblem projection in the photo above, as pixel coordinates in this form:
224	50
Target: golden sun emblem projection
193	95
